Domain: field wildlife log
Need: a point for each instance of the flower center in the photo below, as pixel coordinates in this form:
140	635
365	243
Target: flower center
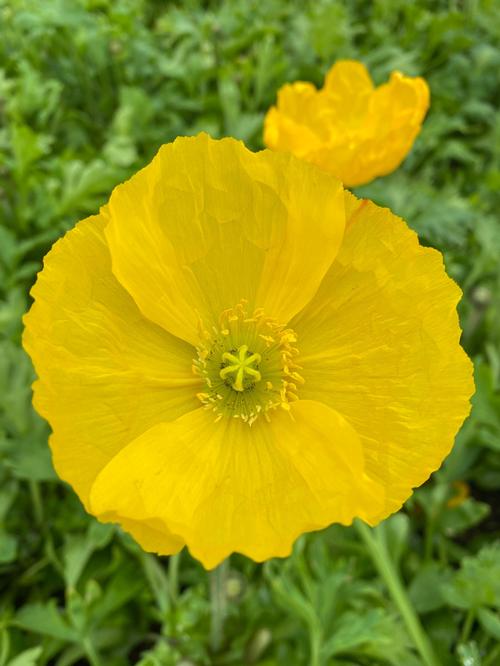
240	366
249	365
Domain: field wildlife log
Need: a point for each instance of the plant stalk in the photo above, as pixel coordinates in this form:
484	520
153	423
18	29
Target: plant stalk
387	570
173	577
218	604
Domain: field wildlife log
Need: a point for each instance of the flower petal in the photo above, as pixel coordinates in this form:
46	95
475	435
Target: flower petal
226	487
106	374
380	343
152	535
285	129
395	116
208	223
347	90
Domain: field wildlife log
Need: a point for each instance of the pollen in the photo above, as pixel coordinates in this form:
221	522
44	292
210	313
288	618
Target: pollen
248	364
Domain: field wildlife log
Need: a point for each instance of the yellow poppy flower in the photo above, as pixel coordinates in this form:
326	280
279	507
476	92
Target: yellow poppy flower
236	351
349	128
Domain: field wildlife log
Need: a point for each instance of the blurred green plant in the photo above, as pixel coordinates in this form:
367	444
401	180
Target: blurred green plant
88	91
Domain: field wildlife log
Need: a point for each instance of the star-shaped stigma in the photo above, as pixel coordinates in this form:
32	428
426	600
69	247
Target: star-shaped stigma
240	363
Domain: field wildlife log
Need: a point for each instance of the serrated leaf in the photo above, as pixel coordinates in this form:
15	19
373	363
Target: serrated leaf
477	583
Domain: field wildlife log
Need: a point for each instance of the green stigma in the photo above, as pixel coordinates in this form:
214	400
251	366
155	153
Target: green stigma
240	364
248	364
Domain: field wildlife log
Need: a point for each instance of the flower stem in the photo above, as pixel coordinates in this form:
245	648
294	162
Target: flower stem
218	603
385	566
173	577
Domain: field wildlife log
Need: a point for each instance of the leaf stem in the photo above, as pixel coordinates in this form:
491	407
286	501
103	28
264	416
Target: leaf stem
467	626
385	566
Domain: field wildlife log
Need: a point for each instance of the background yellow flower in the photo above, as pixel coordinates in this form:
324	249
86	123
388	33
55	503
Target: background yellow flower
350	128
236	351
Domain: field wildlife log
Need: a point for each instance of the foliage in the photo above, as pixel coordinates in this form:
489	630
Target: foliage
88	91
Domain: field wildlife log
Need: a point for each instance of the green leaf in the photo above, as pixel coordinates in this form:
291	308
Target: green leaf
27	147
157	579
123	586
46	619
425	589
395	531
468	513
79	548
8	547
27	658
490	622
353	630
477	583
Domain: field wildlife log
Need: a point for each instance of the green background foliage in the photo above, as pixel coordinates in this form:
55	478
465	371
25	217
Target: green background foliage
88	91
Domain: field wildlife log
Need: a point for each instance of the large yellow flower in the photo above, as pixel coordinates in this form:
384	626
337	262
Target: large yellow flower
349	128
236	351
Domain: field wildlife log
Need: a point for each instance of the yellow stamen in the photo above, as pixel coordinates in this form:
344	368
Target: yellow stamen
232	373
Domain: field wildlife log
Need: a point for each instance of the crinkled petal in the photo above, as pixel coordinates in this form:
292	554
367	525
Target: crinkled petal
208	224
226	486
106	374
380	343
